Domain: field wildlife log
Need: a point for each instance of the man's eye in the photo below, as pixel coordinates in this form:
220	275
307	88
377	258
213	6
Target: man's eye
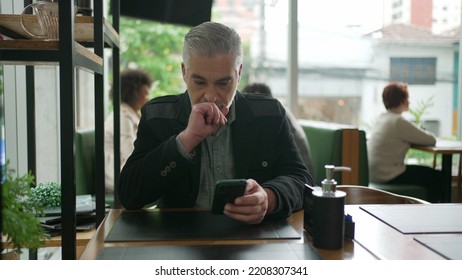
224	84
199	83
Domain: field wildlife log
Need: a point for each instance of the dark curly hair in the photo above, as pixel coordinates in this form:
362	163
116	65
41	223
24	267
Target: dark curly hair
257	88
131	81
394	94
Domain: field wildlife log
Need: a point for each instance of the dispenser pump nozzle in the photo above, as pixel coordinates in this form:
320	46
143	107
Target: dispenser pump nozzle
329	185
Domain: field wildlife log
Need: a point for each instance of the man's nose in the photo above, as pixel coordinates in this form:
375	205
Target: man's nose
210	95
214	99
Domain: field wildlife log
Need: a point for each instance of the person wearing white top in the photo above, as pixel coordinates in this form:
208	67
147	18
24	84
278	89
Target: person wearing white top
134	89
391	139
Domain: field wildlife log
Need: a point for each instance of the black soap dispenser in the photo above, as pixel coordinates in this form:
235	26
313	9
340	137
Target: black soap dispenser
328	212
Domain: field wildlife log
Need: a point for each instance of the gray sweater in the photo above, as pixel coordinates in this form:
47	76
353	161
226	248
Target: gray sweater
389	142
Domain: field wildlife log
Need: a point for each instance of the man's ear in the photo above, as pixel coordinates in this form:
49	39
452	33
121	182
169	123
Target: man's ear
183	71
240	72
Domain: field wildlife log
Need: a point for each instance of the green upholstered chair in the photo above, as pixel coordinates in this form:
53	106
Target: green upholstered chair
343	145
407	190
325	149
400	189
85	179
325	143
85	161
336	144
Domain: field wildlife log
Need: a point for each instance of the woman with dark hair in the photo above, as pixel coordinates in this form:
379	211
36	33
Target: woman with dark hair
390	140
134	93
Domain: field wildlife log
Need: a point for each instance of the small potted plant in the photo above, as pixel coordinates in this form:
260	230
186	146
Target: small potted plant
47	195
21	226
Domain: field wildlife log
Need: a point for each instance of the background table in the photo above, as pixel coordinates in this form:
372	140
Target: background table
446	148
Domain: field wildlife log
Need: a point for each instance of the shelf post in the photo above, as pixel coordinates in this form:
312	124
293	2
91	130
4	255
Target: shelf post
67	125
115	4
99	113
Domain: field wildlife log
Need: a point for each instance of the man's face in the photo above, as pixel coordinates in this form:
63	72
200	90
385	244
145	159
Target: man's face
212	79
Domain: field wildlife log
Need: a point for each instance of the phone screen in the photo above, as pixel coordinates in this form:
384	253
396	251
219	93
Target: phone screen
226	191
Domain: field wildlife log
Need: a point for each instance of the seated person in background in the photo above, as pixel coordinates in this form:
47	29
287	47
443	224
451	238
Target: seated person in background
134	90
187	142
295	127
391	139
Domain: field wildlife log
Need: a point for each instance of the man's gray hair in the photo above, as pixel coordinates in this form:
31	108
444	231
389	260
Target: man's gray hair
210	39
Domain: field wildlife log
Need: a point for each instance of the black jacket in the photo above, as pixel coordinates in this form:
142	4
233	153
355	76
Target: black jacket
264	150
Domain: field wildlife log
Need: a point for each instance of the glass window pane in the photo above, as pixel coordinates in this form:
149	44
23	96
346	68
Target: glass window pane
346	54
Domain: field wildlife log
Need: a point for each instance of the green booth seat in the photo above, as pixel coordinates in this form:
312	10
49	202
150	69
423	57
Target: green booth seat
401	189
336	144
345	145
85	178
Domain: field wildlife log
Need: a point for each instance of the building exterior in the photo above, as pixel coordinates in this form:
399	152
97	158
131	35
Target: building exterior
411	12
341	76
425	61
435	15
342	73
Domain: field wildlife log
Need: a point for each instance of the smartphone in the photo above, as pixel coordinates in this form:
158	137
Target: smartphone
226	191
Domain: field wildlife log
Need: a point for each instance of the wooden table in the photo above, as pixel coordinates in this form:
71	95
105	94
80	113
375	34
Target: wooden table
446	148
97	243
351	249
385	242
373	240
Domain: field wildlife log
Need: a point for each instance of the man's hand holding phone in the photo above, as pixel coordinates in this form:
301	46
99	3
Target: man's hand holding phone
226	191
253	205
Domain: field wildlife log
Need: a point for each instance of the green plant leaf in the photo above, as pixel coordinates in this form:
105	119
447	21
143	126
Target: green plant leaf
420	109
19	214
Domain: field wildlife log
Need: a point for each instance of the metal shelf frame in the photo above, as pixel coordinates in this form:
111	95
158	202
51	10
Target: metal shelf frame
69	55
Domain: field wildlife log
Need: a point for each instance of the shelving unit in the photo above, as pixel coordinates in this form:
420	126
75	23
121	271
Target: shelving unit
69	54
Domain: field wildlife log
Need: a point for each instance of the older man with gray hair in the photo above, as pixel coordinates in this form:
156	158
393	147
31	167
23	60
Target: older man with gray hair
187	142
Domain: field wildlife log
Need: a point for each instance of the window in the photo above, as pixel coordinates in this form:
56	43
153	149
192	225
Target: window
414	71
397	4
